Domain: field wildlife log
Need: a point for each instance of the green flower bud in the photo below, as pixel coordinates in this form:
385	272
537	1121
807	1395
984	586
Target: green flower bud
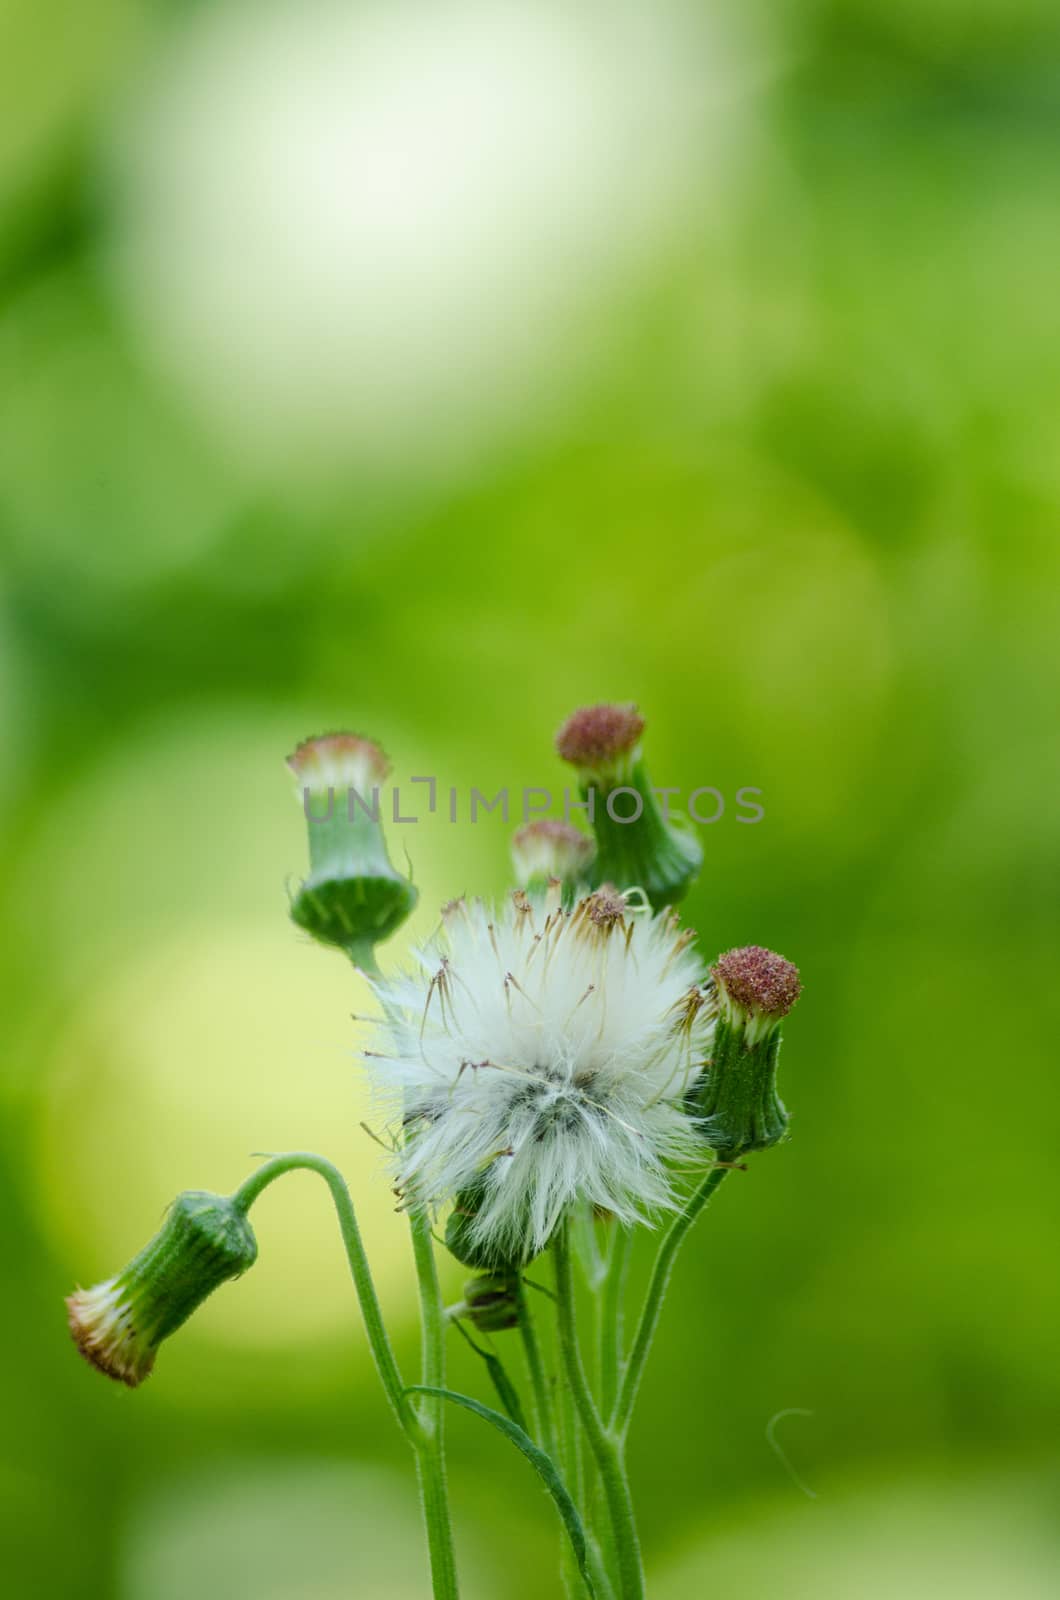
460	1239
736	1103
353	897
119	1324
547	850
491	1302
636	845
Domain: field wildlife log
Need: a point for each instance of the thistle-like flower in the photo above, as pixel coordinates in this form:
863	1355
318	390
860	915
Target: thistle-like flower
737	1099
637	843
353	897
540	1056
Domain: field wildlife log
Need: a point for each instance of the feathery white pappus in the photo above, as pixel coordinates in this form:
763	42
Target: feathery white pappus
541	1056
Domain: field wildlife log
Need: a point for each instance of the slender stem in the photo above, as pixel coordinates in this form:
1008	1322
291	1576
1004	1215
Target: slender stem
430	1453
605	1445
423	1431
544	1420
610	1311
434	1498
572	1463
371	1312
660	1278
431	1309
430	1416
598	1567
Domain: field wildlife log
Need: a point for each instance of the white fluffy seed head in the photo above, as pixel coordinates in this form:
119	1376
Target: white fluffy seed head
540	1056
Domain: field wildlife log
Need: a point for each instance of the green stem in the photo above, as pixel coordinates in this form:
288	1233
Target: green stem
611	1316
544	1421
371	1312
430	1441
572	1464
605	1444
423	1431
660	1278
430	1452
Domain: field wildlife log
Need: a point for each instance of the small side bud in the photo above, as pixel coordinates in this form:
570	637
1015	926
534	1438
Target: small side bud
547	850
491	1302
353	898
118	1325
736	1101
636	845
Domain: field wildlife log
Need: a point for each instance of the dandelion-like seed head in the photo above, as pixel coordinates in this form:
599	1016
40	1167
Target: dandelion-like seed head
538	1056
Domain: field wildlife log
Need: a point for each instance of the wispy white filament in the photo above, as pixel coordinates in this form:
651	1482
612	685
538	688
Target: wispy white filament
543	1055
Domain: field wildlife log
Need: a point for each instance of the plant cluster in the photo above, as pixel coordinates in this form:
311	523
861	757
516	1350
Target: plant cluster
554	1073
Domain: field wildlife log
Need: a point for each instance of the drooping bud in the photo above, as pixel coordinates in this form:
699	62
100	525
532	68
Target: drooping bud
547	849
353	897
119	1324
637	846
491	1302
737	1103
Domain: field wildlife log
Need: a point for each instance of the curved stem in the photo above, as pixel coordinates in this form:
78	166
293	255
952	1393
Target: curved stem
424	1432
430	1452
660	1278
605	1445
375	1328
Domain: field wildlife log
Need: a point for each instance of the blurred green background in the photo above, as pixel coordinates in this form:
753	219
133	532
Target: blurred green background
432	370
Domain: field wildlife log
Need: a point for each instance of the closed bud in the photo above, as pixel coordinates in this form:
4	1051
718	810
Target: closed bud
119	1325
481	1255
491	1302
637	846
353	897
736	1100
548	850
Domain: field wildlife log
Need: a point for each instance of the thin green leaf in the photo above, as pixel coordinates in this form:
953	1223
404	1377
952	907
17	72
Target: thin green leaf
543	1465
506	1390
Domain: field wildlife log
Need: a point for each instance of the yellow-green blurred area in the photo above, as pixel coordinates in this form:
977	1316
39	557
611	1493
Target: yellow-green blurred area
430	370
